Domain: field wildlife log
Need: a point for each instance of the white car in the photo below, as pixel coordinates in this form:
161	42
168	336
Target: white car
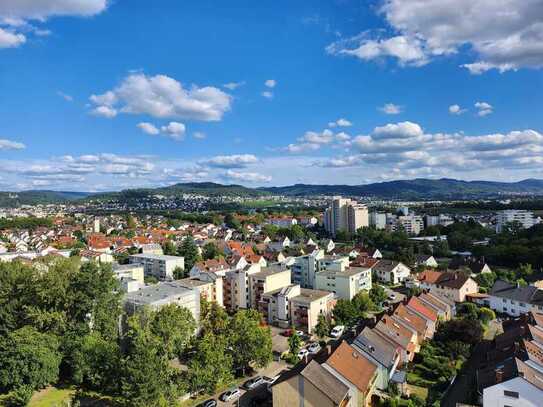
230	395
302	353
337	331
315	347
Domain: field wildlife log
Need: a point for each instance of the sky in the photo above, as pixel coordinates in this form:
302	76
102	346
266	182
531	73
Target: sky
99	95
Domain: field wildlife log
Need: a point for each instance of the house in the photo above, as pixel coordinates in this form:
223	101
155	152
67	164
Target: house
474	265
151	248
406	338
306	307
513	299
444	308
314	386
354	370
344	283
382	352
454	286
424	311
391	271
410	319
91	255
208	290
219	266
425	260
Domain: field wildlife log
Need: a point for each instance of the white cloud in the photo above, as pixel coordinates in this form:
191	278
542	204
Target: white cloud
267	94
163	97
148	128
398	130
503	35
456	110
43	9
230	161
104	111
233	85
484	109
11	145
199	135
391	108
325	137
247	176
342	122
10	39
174	130
270	83
65	96
300	148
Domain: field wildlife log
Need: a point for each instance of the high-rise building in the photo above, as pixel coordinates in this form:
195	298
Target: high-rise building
378	220
524	218
345	215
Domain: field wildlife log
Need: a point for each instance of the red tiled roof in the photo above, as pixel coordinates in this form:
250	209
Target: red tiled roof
419	306
352	365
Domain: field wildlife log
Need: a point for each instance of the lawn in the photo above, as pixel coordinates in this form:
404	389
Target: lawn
51	397
422	392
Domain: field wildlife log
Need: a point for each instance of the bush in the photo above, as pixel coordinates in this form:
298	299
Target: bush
20	396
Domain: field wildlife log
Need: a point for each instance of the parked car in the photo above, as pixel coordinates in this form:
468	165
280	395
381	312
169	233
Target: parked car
253	382
230	395
303	353
208	403
315	347
337	331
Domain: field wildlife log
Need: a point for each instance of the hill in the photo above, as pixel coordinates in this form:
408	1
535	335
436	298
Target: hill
35	197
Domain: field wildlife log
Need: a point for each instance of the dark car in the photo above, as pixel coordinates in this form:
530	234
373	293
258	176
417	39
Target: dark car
208	403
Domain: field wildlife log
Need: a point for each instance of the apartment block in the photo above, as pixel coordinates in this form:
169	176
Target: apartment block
305	267
269	279
344	283
306	308
160	266
525	218
345	215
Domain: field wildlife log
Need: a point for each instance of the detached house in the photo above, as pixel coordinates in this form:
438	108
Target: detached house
449	285
513	299
391	271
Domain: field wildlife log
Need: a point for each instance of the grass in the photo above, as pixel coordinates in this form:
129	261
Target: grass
51	397
422	392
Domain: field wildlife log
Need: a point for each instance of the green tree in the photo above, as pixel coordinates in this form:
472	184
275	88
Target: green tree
362	303
251	344
345	313
211	366
174	326
322	329
28	358
378	294
486	315
468	310
169	248
189	251
214	318
211	251
232	222
179	273
294	342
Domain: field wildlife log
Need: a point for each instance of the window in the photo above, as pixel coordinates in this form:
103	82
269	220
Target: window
513	394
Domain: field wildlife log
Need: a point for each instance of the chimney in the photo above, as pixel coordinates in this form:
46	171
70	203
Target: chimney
499	376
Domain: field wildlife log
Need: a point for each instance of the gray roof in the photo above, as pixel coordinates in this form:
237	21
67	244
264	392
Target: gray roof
377	347
158	292
326	382
386	265
527	294
156	256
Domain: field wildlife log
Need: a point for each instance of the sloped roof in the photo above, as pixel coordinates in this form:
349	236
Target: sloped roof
326	382
421	308
353	366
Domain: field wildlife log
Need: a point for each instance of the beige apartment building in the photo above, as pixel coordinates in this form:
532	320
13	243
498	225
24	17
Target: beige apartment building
345	215
306	308
269	279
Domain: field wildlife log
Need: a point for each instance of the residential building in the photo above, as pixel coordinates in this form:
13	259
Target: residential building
151	248
159	266
515	300
332	263
424	311
274	305
210	291
435	220
354	370
378	220
450	285
426	260
306	307
92	255
131	276
345	215
161	294
314	386
346	282
412	224
269	279
524	218
236	287
305	267
391	271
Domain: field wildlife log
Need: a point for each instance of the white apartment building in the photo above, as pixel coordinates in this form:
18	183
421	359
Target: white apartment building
345	215
525	218
513	299
130	276
236	290
378	220
158	265
346	283
435	220
305	267
412	224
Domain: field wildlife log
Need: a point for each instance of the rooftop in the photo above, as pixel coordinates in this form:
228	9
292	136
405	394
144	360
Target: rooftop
156	256
308	296
161	291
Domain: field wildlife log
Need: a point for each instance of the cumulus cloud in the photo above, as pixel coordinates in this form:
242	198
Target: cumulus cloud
503	35
340	123
391	108
148	128
174	130
270	83
398	130
484	109
267	94
199	135
246	176
163	97
104	111
230	161
11	145
9	39
233	85
456	110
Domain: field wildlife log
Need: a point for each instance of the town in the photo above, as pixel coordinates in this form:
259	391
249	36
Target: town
342	306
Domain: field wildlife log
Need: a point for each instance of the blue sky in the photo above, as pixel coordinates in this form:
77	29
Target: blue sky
101	95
